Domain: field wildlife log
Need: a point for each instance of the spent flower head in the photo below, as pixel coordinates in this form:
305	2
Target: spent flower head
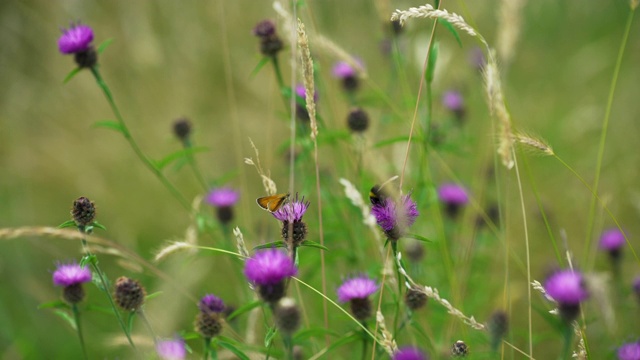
77	38
171	349
409	353
395	218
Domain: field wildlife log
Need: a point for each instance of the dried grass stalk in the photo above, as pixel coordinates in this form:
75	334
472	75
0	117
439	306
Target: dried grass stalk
387	341
495	98
172	248
242	248
509	25
307	76
269	185
428	11
534	143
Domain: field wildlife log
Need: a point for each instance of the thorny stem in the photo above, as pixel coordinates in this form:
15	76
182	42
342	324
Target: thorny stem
134	145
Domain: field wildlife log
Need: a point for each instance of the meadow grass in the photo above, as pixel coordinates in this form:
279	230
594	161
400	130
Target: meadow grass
425	209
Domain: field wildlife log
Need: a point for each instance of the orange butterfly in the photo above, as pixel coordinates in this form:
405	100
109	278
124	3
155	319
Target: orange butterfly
272	203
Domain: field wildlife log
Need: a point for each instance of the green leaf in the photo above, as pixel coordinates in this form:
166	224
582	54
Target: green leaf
98	225
268	337
313	244
104	45
258	67
447	25
190	335
153	295
244	309
180	154
275	244
71	74
56	304
418	237
237	352
109	124
66	224
431	66
66	317
88	260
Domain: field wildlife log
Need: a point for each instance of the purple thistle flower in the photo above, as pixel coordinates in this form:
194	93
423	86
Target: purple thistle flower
360	287
629	351
171	349
265	28
71	274
76	39
453	194
223	197
566	287
636	287
269	267
452	100
393	220
211	304
409	353
343	69
292	211
612	240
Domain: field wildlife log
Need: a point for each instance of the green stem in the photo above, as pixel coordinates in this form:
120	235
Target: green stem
288	344
568	337
94	264
279	78
76	316
394	248
146	322
127	134
364	342
605	127
194	166
207	346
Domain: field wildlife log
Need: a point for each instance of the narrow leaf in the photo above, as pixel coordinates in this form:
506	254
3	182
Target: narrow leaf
418	237
268	337
109	124
244	309
104	45
71	74
153	295
98	225
258	67
447	25
233	349
66	224
275	244
102	309
344	341
66	317
394	140
433	60
313	332
313	244
182	153
57	304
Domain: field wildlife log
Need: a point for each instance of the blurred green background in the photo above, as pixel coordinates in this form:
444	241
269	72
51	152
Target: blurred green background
171	59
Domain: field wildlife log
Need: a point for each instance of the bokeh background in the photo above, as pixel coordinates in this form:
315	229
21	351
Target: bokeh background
171	59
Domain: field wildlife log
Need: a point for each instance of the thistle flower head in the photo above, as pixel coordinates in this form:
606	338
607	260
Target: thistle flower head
360	287
223	197
171	349
182	128
629	351
211	304
269	267
77	38
71	274
343	69
453	194
566	287
452	100
395	218
292	211
612	240
409	353
265	28
358	120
